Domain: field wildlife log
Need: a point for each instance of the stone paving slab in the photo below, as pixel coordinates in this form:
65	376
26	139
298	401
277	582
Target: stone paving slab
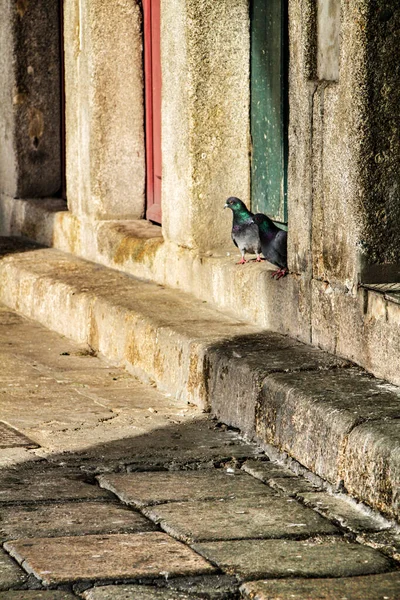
12	438
52	406
265	470
11	575
240	518
368	587
211	587
194	442
387	541
70	518
133	592
40	483
323	557
340	509
106	557
36	595
143	489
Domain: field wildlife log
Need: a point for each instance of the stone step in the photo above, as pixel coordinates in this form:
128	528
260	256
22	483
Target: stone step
333	418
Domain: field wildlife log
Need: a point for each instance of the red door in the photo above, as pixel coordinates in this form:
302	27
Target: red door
152	72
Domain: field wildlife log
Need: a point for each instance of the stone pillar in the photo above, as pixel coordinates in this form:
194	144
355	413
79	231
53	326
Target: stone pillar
30	158
205	117
105	157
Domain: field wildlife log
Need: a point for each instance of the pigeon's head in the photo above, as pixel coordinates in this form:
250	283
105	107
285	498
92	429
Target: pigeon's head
235	204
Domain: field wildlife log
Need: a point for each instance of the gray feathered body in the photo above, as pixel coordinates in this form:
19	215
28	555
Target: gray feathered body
273	241
246	237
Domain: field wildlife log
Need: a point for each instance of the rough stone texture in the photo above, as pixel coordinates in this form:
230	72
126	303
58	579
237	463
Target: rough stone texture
133	592
205	128
375	449
369	587
292	487
364	327
388	542
70	519
105	162
297	411
256	559
266	470
102	557
174	445
142	489
30	154
340	509
11	575
240	518
36	595
237	369
11	438
210	587
42	482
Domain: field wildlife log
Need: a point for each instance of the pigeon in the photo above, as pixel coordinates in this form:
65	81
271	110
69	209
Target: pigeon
245	233
273	244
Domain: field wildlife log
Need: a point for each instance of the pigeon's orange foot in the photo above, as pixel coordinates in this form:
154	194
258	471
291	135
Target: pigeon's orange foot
242	261
279	273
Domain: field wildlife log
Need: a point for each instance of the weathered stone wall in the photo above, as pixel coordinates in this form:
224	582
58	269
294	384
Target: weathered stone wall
344	144
30	155
380	159
105	162
205	117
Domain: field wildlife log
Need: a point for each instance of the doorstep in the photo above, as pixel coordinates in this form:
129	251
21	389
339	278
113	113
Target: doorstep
333	418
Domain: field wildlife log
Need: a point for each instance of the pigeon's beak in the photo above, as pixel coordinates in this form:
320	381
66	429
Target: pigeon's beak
226	205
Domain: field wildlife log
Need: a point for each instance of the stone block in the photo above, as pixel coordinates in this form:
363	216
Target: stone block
143	489
36	595
237	369
49	406
70	519
133	592
30	155
310	414
38	484
267	516
342	510
366	587
266	470
205	126
194	444
106	557
320	557
11	438
206	587
11	576
105	160
371	465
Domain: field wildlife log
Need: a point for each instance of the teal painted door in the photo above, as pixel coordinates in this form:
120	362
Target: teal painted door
268	112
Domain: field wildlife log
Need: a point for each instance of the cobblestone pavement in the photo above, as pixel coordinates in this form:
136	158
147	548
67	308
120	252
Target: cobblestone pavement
110	489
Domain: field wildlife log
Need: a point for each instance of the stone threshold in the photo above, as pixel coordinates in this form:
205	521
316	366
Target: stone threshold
332	417
362	325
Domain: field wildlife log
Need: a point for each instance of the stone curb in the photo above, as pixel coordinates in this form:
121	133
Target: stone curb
336	420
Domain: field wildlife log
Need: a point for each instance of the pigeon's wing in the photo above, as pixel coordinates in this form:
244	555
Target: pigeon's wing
279	249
